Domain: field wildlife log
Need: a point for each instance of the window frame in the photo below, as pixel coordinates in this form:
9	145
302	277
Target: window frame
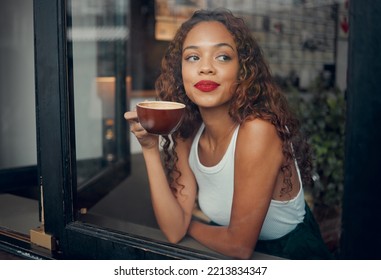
57	163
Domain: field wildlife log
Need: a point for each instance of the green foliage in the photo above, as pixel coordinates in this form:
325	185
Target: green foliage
322	116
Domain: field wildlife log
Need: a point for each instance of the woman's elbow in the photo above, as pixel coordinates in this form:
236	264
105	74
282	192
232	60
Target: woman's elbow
244	254
241	252
174	238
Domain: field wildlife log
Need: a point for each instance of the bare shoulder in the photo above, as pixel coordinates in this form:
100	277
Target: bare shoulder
259	130
258	139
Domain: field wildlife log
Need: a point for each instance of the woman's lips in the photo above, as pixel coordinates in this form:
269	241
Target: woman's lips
206	86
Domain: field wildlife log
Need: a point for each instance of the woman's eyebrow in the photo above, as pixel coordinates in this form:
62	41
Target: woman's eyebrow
219	45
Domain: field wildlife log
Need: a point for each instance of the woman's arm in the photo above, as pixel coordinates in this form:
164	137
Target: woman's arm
173	213
258	159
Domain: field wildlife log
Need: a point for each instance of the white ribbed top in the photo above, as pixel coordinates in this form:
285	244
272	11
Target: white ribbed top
216	187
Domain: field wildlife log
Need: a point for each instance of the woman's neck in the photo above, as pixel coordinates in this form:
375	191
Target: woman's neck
219	127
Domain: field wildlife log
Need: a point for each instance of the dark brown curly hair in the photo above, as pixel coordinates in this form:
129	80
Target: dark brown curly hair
256	96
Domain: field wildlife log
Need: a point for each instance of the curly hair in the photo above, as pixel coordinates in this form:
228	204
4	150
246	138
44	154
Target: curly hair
256	96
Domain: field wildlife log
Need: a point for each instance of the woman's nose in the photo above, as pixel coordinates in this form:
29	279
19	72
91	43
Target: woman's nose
206	67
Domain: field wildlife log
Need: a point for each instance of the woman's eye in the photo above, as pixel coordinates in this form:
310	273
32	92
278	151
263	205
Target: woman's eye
192	58
223	57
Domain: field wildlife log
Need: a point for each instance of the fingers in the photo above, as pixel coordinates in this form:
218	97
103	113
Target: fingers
135	127
131	116
140	134
145	139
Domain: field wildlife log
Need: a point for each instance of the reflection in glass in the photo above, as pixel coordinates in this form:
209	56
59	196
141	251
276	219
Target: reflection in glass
18	147
98	34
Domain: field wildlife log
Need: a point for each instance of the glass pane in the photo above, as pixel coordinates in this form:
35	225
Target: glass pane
19	206
98	34
17	99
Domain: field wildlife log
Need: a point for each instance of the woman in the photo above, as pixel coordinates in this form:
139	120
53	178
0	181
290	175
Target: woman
238	151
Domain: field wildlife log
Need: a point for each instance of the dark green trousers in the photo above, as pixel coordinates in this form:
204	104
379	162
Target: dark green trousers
303	243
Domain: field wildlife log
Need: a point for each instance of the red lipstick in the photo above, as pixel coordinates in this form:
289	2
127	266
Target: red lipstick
206	86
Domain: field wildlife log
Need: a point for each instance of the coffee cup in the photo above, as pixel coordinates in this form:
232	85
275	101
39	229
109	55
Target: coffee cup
160	117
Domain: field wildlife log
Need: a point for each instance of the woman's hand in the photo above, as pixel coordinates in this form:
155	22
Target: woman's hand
146	140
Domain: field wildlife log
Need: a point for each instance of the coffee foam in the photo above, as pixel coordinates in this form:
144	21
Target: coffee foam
161	105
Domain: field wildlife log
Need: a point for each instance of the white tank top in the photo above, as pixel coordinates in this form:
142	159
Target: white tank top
216	186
